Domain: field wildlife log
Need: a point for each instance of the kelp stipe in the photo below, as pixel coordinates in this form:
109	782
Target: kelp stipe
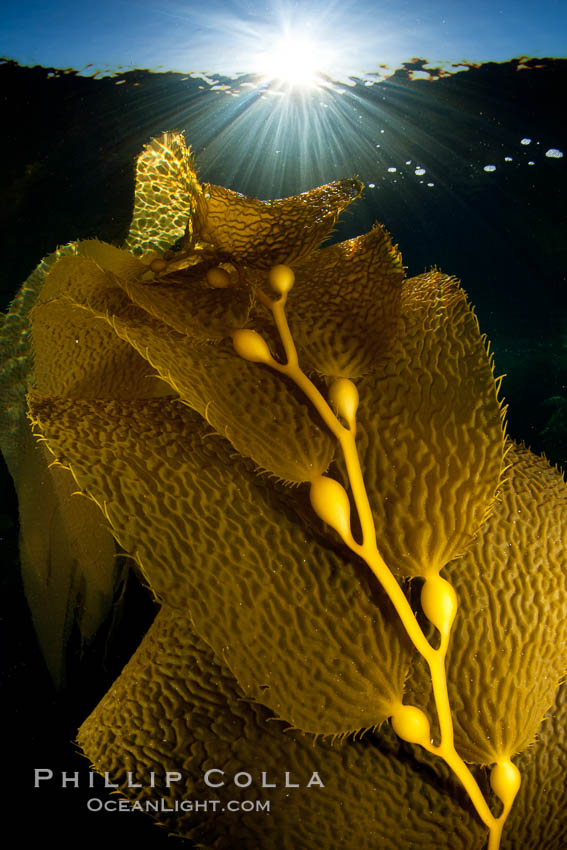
438	598
185	451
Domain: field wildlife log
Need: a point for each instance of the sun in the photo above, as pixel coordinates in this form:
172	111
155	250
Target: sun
295	60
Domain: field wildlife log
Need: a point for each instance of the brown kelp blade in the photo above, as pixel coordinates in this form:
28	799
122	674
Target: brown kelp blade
303	630
170	204
538	820
509	647
67	555
345	305
176	707
430	432
265	233
264	417
166	196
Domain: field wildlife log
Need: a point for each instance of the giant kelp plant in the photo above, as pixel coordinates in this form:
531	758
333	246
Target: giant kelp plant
292	443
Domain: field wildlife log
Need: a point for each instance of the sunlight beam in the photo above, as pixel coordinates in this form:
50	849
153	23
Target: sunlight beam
296	61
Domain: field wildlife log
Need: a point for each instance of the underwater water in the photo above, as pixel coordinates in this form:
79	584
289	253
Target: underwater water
467	173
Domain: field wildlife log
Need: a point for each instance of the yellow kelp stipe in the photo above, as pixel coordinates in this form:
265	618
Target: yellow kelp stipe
330	501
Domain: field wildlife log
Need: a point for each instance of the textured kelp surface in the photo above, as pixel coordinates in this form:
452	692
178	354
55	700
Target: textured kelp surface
182	453
229	552
507	658
373	797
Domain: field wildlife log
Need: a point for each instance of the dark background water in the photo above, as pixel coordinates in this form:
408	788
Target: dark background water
68	149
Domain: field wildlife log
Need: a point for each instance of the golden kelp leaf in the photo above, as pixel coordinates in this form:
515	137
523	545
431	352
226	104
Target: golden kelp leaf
79	278
538	820
430	430
265	233
123	264
345	303
187	304
166	195
509	647
264	417
16	360
176	708
67	556
302	629
79	355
